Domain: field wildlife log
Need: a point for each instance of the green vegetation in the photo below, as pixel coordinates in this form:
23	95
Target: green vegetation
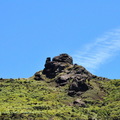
28	99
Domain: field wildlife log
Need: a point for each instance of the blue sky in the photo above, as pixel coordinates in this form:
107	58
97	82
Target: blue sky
31	30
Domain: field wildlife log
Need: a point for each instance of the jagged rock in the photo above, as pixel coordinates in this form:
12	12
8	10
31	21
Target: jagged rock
38	76
77	74
74	86
79	80
63	80
53	68
79	103
78	87
48	60
57	65
62	71
63	58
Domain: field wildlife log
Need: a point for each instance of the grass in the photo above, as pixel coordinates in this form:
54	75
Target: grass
27	99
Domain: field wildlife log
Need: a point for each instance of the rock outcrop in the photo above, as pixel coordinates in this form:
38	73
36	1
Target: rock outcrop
62	71
38	76
63	58
57	65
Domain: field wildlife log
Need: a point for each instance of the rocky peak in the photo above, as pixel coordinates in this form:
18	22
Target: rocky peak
57	65
62	71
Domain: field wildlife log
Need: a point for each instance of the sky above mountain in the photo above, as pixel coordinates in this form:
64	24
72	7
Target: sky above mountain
31	30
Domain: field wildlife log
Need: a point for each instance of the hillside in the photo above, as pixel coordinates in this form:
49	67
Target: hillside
61	91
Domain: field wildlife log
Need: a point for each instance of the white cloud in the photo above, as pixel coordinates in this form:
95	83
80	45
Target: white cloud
97	53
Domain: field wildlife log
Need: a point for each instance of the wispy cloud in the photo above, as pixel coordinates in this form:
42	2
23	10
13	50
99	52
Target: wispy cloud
98	52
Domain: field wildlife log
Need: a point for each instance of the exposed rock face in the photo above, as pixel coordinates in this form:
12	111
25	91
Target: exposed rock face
63	58
63	79
53	68
57	65
38	76
62	71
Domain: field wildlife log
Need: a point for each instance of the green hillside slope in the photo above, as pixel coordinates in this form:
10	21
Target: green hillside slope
61	95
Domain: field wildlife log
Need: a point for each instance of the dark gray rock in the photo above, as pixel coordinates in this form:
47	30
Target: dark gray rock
63	58
62	71
38	76
53	68
74	86
57	65
63	79
48	60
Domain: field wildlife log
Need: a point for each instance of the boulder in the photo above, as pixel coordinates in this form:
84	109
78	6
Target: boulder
38	76
53	68
74	86
63	79
57	65
79	86
63	58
